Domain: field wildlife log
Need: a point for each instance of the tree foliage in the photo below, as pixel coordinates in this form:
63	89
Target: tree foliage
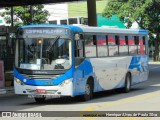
22	15
145	12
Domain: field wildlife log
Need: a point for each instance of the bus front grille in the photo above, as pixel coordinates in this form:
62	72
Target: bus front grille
41	77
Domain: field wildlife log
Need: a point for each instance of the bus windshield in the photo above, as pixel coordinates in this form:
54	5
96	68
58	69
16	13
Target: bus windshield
43	53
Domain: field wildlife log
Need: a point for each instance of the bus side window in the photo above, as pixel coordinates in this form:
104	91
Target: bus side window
90	45
137	43
117	40
141	47
123	45
102	48
144	42
136	39
132	45
79	46
113	42
94	40
126	39
106	39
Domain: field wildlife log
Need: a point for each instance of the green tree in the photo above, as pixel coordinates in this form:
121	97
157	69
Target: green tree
22	15
145	12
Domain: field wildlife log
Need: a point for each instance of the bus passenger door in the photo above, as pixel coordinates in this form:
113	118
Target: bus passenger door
79	65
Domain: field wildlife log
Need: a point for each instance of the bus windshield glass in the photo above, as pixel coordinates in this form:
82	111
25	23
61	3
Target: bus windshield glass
43	53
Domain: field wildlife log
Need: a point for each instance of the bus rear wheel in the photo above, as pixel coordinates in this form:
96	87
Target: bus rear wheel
88	91
40	99
127	86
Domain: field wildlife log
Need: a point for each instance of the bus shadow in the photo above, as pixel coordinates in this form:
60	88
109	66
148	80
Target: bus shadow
56	101
105	96
74	100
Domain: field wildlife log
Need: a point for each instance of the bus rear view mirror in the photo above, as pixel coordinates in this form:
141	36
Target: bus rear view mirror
77	37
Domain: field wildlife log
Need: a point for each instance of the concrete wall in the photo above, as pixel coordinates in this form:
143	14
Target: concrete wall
76	9
72	9
57	11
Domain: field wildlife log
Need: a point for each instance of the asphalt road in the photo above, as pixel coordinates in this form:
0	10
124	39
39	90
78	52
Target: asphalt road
143	97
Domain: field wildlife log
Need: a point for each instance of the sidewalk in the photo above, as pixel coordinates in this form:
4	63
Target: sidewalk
8	82
7	90
153	62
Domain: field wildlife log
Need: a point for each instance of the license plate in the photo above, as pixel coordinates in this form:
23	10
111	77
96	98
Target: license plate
41	91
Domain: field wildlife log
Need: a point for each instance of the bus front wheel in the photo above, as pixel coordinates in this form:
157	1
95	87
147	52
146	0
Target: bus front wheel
40	100
88	91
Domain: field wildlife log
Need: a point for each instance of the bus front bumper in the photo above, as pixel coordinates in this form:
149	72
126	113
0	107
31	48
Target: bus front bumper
47	91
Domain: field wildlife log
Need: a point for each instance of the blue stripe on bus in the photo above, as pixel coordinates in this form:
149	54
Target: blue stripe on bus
138	62
81	74
143	32
138	67
86	65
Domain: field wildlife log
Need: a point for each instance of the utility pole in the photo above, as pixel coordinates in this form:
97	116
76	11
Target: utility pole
12	24
92	17
31	14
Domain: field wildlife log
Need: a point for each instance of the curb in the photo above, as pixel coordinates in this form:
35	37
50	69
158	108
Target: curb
153	62
6	91
3	91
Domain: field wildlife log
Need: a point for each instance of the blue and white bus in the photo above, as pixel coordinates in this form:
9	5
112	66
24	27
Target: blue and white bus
63	60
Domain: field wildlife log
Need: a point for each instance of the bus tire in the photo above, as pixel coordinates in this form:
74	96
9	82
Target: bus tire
88	91
39	100
127	86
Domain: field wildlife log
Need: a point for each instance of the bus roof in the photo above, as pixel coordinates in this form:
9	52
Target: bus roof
112	30
89	29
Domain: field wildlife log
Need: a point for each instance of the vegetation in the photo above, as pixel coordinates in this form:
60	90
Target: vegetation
145	12
22	15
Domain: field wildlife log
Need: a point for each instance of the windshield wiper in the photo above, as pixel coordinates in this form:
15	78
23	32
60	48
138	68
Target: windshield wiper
50	46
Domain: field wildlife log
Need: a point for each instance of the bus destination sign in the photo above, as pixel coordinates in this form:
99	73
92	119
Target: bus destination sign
54	31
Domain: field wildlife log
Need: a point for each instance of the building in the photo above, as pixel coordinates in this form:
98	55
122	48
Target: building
76	13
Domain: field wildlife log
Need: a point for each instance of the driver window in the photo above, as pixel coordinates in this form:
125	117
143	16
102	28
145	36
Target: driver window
79	50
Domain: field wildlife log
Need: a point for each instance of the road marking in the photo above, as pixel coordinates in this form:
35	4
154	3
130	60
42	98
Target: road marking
154	68
136	118
127	100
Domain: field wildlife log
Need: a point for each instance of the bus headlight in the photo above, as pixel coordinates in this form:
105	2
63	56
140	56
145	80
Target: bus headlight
18	81
66	82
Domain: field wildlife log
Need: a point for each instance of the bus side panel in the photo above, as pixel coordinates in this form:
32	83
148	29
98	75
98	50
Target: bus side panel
110	71
139	69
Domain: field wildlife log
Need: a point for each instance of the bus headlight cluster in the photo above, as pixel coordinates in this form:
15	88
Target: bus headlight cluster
66	82
18	81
